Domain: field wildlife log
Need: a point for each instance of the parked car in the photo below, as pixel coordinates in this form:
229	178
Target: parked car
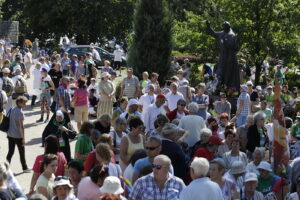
81	50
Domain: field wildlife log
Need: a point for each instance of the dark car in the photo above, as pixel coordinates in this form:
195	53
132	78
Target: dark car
81	50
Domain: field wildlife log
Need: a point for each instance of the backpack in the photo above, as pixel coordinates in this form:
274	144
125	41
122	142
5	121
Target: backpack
7	87
20	87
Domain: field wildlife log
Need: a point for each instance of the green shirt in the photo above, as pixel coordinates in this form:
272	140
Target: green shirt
296	131
268	113
84	145
265	185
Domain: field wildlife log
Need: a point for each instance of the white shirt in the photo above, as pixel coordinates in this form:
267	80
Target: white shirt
118	53
4	97
151	115
239	183
294	196
45	66
146	100
201	189
172	100
36	78
251	167
96	55
193	124
28	58
128	173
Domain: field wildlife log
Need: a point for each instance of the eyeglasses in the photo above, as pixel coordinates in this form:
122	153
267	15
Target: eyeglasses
156	166
58	178
151	148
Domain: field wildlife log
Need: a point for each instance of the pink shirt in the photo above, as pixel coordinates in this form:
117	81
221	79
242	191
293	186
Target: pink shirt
62	162
81	97
88	190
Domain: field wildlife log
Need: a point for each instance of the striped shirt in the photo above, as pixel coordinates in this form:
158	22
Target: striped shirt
246	99
130	86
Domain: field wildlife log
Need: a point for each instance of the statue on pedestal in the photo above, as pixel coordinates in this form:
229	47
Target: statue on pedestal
226	69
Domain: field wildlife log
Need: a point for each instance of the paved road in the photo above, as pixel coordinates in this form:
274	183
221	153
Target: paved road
33	133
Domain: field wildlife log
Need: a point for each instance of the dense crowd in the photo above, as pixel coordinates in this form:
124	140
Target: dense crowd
139	140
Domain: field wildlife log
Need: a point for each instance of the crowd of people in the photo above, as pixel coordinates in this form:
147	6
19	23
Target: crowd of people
143	141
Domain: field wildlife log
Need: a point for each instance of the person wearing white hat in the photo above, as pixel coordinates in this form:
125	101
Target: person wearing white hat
62	188
266	178
250	184
236	174
107	95
112	185
132	110
243	103
7	85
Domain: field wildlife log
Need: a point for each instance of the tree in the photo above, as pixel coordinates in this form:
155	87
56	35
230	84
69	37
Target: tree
152	38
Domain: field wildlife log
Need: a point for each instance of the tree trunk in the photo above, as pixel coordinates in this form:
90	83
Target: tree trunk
257	73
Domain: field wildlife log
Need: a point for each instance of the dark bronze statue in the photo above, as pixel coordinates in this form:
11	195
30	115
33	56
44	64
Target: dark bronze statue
226	69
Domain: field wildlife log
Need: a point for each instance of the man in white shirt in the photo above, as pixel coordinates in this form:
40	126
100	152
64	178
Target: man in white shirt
28	62
201	188
44	64
152	112
172	98
118	53
95	54
147	99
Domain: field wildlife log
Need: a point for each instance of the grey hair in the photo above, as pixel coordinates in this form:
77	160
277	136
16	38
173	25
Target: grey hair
258	116
260	150
120	120
154	139
105	117
193	108
206	131
250	117
169	129
3	172
164	158
200	167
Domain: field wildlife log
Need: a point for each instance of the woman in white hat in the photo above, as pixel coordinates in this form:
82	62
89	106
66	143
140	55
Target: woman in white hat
63	189
107	95
112	185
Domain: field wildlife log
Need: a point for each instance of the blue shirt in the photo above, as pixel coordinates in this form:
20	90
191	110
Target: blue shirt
203	99
145	188
202	189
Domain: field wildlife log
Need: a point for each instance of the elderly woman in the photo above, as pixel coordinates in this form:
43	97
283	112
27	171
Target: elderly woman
107	95
61	127
117	134
159	123
256	134
193	124
257	156
235	154
131	142
62	189
179	112
173	150
205	135
88	188
216	172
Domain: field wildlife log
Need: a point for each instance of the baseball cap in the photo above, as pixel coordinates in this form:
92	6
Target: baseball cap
250	176
160	96
61	180
215	140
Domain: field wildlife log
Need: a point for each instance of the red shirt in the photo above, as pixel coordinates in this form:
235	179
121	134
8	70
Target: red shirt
62	162
204	153
91	161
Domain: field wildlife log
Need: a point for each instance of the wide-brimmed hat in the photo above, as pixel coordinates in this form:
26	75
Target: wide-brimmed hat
6	70
133	102
244	87
112	185
265	166
105	74
237	167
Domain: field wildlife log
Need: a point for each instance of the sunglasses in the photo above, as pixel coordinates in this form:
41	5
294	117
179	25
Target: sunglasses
183	105
158	167
58	178
151	148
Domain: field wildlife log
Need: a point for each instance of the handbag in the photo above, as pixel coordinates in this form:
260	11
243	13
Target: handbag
4	126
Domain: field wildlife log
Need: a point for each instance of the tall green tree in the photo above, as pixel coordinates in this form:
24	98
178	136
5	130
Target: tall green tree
152	38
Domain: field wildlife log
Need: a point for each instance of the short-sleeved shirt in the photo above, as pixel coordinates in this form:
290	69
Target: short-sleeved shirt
140	164
81	97
146	188
62	162
16	115
203	99
45	183
63	92
84	145
130	86
246	99
172	100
